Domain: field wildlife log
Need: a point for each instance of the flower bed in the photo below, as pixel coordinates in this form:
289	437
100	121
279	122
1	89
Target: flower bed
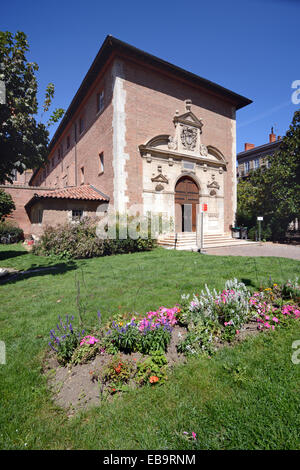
134	352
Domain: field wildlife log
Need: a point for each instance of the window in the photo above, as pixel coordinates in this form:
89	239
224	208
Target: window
100	101
14	175
256	163
82	175
77	214
68	141
40	216
247	167
81	125
101	162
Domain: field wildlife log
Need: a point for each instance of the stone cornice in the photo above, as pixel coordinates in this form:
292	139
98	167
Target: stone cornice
179	156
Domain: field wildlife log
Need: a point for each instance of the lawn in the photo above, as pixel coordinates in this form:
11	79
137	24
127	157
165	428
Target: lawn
245	397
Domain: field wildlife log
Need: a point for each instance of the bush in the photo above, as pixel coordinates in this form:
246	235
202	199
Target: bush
7	229
7	204
266	233
79	240
65	340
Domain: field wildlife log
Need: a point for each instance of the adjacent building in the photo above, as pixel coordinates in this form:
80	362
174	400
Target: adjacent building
253	157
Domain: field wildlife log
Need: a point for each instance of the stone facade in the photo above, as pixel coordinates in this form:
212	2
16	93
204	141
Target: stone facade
136	126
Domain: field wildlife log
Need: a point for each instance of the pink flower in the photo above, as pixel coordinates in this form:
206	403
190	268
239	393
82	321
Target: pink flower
194	435
237	332
275	319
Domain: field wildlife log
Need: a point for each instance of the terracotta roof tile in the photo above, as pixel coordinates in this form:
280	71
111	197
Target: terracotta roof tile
86	192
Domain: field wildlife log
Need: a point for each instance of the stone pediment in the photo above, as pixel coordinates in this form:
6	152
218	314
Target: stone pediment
160	178
213	184
189	119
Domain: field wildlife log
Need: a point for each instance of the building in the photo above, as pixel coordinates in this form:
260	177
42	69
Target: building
253	157
140	132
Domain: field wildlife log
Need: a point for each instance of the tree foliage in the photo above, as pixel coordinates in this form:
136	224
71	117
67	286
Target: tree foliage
23	140
274	192
6	204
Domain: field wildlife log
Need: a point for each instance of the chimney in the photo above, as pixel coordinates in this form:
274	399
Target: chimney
272	136
278	137
248	146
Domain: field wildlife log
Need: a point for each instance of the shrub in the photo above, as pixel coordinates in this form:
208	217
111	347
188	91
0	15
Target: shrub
79	240
7	229
122	338
152	370
7	204
155	338
85	352
117	374
65	340
201	338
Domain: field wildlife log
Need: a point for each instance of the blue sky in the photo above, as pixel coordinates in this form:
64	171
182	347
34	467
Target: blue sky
248	46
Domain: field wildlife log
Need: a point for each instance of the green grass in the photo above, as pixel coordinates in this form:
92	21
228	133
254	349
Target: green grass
256	407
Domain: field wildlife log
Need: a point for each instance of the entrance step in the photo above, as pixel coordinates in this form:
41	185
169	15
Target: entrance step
187	241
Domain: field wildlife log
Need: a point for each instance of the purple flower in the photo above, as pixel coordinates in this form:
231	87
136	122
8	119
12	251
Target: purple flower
52	347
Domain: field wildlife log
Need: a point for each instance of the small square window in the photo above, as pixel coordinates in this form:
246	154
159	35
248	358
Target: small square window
77	214
100	101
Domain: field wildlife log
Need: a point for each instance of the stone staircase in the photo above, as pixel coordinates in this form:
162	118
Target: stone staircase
187	241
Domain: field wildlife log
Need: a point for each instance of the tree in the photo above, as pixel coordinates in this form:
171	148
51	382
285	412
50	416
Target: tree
274	192
23	140
6	204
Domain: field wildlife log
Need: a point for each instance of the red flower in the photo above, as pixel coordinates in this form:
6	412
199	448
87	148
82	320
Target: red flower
153	379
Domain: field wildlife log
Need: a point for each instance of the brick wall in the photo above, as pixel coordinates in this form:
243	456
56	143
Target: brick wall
21	195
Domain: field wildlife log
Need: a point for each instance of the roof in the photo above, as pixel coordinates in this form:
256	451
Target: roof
85	192
111	45
261	148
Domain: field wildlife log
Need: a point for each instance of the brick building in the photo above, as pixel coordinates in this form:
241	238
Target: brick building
253	157
140	131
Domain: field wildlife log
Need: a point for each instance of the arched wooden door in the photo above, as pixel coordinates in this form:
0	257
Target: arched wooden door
186	200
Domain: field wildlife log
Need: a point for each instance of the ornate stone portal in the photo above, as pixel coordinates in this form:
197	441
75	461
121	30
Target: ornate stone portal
167	158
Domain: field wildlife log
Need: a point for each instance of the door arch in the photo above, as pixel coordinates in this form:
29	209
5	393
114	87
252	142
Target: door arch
186	200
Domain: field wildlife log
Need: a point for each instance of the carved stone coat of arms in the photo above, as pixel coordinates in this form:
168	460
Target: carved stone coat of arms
189	137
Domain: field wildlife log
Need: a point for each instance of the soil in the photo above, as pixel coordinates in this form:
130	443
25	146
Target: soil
74	387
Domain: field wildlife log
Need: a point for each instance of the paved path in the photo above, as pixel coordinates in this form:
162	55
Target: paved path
265	249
